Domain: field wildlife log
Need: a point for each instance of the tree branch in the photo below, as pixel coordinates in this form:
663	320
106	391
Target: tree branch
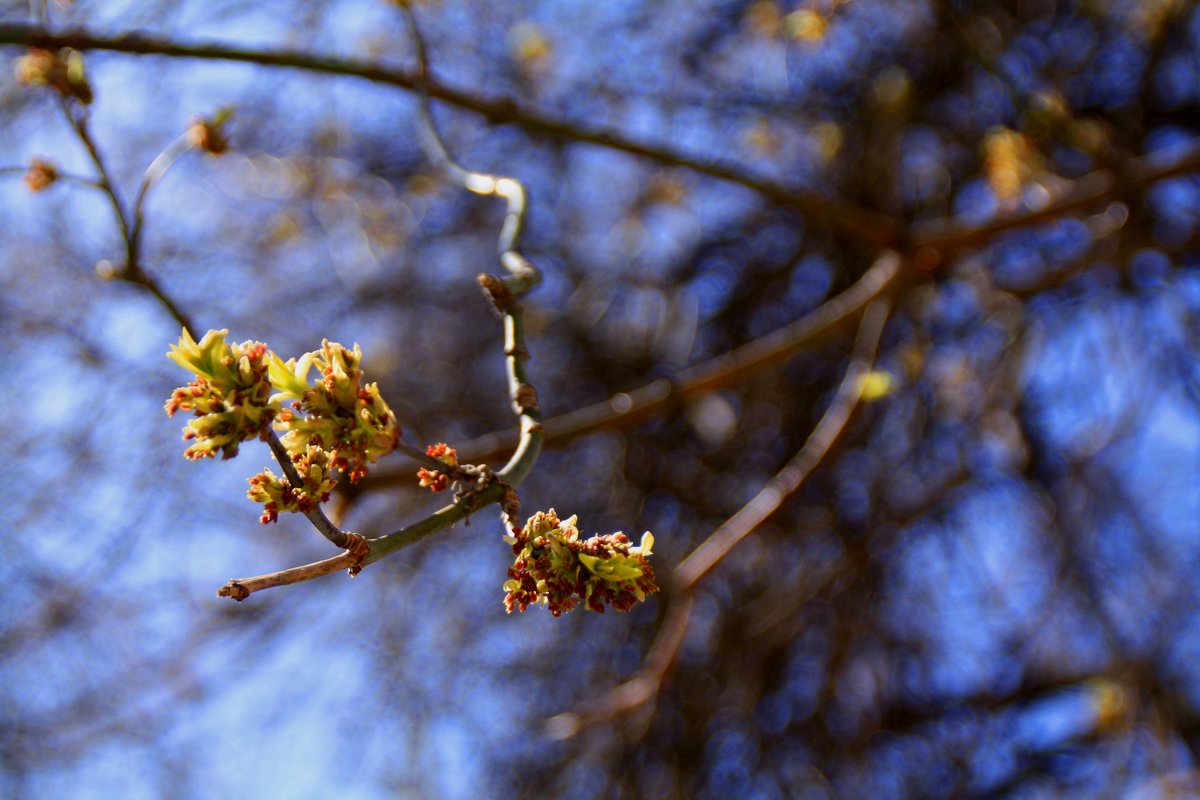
724	370
788	480
848	218
644	686
317	516
130	231
493	487
947	236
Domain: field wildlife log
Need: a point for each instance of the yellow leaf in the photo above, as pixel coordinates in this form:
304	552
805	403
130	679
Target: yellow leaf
877	384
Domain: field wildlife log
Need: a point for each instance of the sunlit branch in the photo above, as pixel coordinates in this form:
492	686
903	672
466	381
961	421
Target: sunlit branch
379	547
241	588
154	173
856	221
522	274
317	515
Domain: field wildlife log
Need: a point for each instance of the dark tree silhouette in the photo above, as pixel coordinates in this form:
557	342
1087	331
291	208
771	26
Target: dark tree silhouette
881	315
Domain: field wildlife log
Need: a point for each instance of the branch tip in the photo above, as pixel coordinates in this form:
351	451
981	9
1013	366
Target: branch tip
235	590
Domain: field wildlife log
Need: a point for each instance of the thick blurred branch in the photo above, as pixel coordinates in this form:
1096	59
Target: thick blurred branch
848	218
933	243
945	237
644	686
785	483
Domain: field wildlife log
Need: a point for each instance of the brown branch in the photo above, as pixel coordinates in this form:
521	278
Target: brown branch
946	236
850	219
241	588
493	487
644	686
316	516
368	551
638	690
132	271
831	426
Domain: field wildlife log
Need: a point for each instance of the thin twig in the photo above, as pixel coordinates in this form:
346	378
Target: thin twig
79	121
154	173
59	177
947	236
132	271
241	588
522	274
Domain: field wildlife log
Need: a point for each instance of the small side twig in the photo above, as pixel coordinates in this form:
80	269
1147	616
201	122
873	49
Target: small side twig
154	173
504	293
241	588
132	271
59	177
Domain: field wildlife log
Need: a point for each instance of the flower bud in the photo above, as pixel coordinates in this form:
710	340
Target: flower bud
557	569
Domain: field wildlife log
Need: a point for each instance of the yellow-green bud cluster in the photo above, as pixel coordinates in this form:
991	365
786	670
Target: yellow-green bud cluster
337	413
277	494
230	397
558	569
335	425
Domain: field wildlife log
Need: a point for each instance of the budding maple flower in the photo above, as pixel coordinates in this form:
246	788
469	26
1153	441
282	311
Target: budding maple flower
40	174
208	134
436	480
277	494
61	70
352	422
230	398
556	568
